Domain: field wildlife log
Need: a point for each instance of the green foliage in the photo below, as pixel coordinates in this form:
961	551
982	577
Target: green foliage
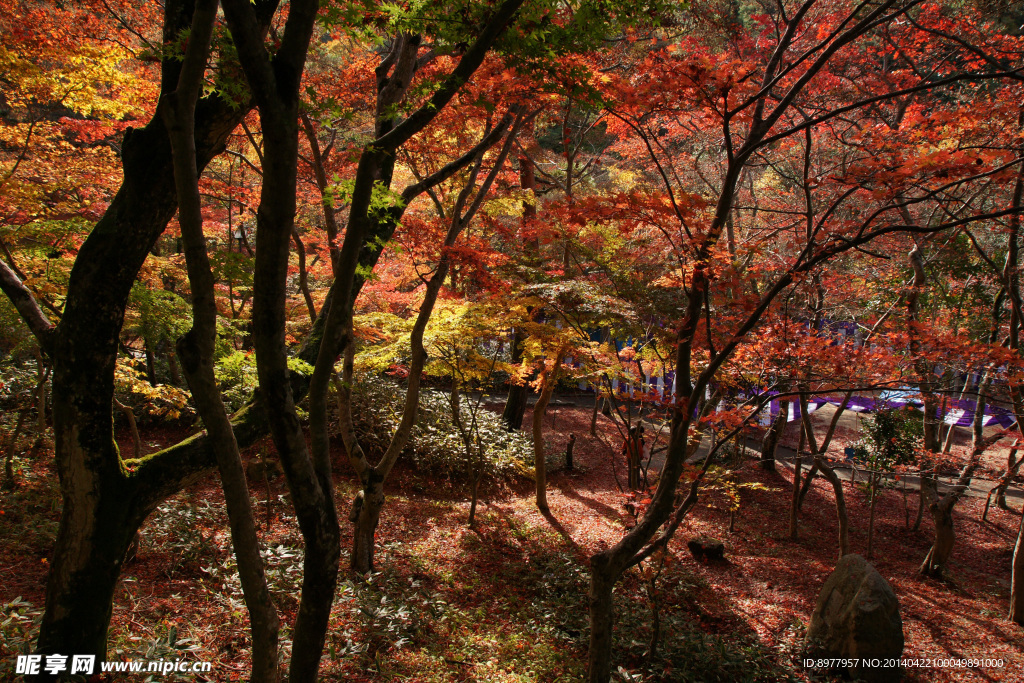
892	438
15	339
436	445
234	267
167	647
724	481
387	613
236	375
17	384
383	200
148	402
19	626
160	315
582	300
183	525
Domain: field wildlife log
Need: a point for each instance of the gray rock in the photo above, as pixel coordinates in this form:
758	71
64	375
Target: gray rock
706	549
857	617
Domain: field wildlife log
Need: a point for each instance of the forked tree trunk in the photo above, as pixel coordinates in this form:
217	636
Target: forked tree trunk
103	503
474	455
367	507
808	480
363	227
197	347
274	83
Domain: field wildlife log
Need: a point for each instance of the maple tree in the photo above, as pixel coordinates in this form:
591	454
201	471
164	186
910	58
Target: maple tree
760	100
692	204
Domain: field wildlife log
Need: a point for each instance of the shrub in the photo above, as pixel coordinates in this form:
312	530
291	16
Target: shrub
436	445
160	403
892	438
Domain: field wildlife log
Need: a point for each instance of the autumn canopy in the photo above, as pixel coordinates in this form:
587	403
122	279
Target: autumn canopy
336	323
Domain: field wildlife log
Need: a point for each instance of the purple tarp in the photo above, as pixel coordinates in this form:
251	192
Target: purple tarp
959	413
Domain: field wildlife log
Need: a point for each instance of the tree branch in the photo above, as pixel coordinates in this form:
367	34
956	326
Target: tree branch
27	307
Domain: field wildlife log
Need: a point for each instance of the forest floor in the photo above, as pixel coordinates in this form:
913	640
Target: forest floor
507	601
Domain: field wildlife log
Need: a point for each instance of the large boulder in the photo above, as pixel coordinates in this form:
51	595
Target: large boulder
856	619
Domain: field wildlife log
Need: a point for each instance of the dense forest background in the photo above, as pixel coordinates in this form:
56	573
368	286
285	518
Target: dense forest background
330	330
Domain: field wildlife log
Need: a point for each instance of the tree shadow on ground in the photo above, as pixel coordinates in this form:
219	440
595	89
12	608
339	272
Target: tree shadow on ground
567	489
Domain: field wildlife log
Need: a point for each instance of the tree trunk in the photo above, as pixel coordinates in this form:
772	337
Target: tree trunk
275	88
197	347
550	381
942	512
927	492
326	202
474	495
366	512
300	250
772	437
873	488
922	366
103	502
539	462
844	520
41	397
97	526
906	508
515	404
172	365
150	363
602	618
1012	467
794	533
942	515
474	456
133	426
1016	587
808	480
